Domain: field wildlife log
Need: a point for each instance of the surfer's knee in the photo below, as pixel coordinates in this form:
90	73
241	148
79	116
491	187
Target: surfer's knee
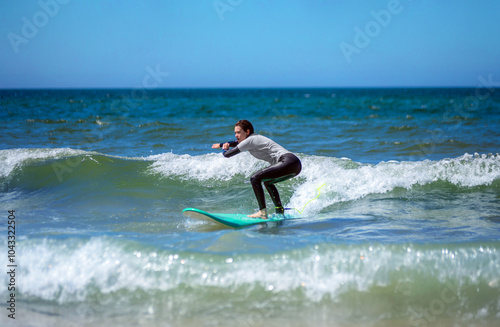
255	180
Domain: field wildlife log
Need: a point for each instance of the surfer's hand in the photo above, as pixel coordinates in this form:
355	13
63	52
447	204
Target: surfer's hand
215	146
225	146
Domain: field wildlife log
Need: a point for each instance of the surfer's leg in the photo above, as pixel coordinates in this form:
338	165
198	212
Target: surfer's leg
275	196
287	167
256	182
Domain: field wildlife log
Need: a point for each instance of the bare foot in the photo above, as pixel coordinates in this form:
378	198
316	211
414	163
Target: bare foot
262	214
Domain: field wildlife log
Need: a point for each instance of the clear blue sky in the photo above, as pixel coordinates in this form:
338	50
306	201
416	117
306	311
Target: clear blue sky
248	43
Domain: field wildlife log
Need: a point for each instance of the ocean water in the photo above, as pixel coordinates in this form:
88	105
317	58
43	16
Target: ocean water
397	207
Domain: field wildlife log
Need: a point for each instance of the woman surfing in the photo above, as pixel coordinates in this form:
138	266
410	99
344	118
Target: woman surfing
283	164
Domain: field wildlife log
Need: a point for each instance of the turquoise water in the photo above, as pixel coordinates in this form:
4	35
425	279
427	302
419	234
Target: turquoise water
397	208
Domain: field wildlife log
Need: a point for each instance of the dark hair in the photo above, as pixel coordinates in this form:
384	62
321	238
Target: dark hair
245	125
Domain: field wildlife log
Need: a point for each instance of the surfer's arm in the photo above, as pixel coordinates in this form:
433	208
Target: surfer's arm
232	144
232	152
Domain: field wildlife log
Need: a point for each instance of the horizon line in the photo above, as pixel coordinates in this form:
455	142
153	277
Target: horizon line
236	87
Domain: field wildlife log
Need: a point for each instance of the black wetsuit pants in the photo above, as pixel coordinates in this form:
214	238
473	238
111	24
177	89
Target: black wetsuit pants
288	166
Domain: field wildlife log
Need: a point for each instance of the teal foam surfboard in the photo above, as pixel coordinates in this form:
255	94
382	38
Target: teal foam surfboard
235	220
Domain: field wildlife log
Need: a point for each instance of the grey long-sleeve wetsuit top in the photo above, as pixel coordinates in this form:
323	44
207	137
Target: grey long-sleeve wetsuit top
260	147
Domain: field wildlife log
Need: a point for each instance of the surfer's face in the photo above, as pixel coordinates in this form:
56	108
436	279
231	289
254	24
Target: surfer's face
240	133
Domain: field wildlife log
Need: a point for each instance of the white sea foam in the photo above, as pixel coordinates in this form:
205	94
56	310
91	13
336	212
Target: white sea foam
204	167
347	181
66	271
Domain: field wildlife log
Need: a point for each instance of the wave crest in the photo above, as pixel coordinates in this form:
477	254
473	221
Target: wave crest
340	180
